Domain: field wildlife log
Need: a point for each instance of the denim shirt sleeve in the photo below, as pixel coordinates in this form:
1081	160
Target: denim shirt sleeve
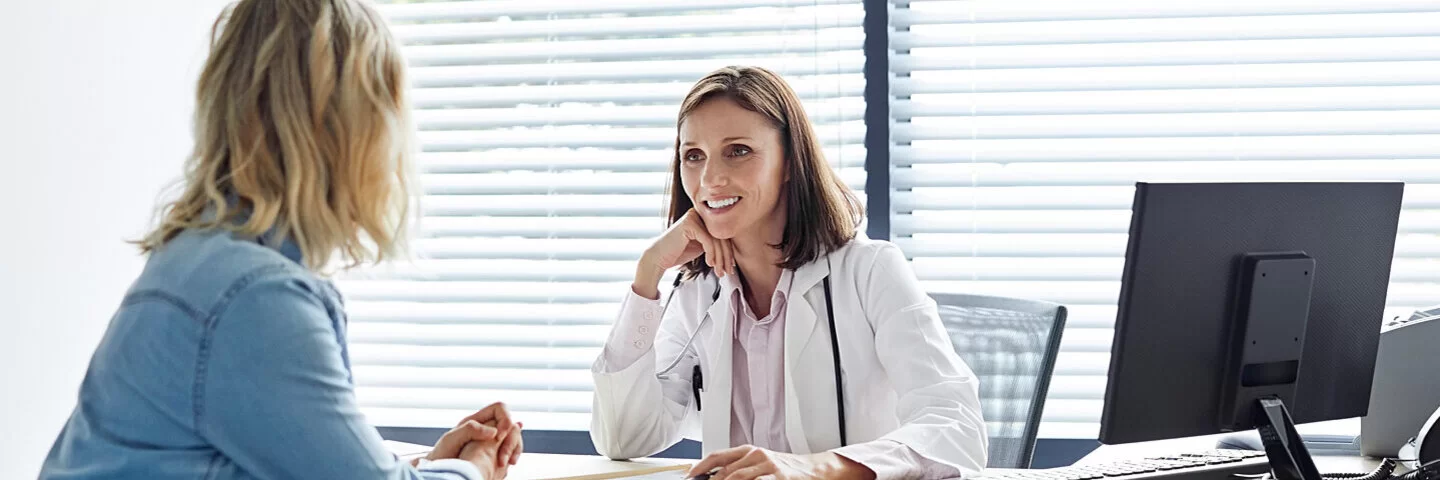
274	394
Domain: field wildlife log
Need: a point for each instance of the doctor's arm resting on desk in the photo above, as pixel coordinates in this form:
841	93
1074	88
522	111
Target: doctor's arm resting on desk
733	163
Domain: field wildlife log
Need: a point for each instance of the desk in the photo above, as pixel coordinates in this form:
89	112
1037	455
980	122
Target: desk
549	466
1325	463
1112	453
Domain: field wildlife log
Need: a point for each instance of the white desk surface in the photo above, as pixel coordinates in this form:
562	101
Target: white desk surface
1113	453
542	466
549	466
1325	463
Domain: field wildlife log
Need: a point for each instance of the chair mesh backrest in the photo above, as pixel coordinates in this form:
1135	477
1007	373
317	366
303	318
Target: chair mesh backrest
1011	344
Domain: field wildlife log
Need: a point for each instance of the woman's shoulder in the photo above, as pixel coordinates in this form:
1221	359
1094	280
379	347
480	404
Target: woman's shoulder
206	269
863	251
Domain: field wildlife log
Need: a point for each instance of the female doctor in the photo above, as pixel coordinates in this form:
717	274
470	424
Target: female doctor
798	348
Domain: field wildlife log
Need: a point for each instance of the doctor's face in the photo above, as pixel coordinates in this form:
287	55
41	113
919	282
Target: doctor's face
732	165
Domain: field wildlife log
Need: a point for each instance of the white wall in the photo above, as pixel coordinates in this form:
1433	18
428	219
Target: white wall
95	99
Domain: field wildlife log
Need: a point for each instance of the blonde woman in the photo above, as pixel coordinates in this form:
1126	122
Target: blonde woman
227	358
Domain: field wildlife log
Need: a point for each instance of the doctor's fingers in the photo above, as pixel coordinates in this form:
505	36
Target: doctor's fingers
757	472
721	458
716	255
698	233
729	247
723	257
754	464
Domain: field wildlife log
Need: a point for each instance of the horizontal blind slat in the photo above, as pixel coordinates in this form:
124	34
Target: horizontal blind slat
506	269
820	112
1229	100
1169	77
825	16
1091	269
587	159
1268	27
826	40
412	311
1341	50
992	11
1092	292
456	398
562	183
1118	173
436	335
1219	124
670	70
1178	149
465	10
474	378
596	137
1117	195
1052	244
808	87
576	358
534	248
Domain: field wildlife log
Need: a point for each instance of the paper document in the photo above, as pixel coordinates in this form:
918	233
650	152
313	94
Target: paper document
541	466
406	450
669	475
545	466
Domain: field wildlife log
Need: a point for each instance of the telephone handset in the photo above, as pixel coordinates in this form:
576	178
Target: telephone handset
1424	449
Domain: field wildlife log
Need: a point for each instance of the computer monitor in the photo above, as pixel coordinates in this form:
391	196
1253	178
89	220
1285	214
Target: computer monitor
1237	292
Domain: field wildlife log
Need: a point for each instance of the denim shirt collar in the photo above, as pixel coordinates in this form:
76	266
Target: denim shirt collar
274	238
284	244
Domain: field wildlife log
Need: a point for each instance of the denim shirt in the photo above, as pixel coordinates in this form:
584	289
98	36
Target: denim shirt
226	360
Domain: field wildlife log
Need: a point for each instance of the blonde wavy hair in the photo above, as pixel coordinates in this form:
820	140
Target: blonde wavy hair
302	130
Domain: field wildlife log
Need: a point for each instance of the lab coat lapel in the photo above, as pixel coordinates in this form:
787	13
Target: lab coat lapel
801	316
800	324
715	411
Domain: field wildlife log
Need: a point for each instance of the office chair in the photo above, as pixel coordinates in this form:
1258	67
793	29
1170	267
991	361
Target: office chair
1011	344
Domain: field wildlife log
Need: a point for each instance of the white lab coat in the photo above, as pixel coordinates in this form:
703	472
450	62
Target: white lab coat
902	378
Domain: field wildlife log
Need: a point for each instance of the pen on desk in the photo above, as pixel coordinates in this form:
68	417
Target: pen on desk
706	475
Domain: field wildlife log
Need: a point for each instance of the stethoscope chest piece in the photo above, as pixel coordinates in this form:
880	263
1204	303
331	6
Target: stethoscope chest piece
697	382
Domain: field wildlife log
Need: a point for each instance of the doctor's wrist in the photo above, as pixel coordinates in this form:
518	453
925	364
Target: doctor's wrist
647	280
834	465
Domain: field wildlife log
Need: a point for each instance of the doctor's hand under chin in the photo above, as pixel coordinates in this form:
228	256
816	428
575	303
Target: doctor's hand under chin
748	462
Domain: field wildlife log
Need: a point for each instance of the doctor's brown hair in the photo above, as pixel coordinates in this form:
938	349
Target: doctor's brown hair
823	213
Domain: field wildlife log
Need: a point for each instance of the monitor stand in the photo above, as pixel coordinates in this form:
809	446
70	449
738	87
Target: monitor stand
1272	307
1289	459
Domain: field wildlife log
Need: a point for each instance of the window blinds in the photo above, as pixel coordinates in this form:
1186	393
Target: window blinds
1020	128
547	130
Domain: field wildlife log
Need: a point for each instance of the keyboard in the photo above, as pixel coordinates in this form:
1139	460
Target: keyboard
1207	465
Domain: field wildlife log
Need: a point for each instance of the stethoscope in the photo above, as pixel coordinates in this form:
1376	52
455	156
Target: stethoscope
698	381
